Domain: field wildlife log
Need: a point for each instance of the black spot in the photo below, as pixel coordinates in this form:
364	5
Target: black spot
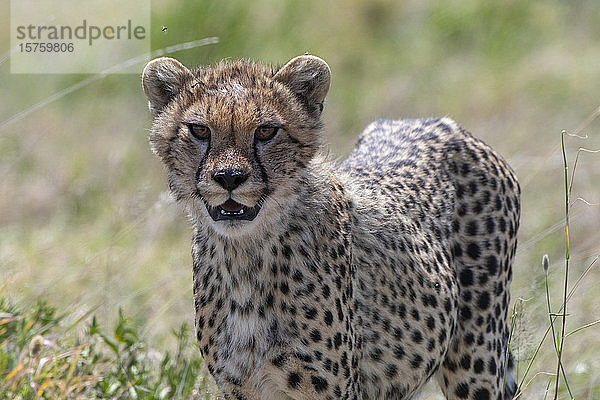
498	202
338	305
415	314
416	361
472	228
269	300
328	318
396	392
431	344
502	225
483	301
492	366
327	364
465	313
466	277
376	354
417	337
287	251
473	250
398	352
233	380
450	365
315	335
335	368
337	391
457	250
297	276
433	301
398	334
469	338
465	362
467	295
391	370
237	395
455	226
490	225
303	356
310	313
279	360
402	311
462	390
481	394
294	380
337	340
477	207
333	254
483	278
492	264
478	366
466	168
447	305
319	383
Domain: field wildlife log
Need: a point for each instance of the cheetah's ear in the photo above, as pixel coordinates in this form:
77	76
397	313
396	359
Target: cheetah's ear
308	77
162	79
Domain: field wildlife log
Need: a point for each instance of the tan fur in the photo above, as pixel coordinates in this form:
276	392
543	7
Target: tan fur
317	281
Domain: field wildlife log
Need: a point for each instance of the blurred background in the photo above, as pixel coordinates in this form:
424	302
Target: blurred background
86	222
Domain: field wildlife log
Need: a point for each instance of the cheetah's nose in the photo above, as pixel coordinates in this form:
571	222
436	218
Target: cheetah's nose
230	178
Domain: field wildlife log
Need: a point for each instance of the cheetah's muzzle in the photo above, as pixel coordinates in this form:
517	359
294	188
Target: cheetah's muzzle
232	210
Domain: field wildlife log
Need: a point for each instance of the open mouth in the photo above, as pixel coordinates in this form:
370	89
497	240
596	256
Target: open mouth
232	210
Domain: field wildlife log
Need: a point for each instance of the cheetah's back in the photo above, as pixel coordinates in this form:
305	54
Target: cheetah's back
435	219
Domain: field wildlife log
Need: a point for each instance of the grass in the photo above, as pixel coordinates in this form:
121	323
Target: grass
558	334
85	222
45	354
40	358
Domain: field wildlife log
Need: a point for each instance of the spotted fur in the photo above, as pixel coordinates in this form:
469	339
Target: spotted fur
354	281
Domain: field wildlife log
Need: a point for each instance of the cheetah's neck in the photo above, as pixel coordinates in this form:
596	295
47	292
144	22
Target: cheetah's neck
259	286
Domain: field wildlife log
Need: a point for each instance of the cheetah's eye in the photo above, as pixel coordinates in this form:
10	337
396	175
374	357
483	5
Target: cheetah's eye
266	132
200	132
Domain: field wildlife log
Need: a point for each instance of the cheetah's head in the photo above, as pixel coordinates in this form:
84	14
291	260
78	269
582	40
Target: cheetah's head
236	137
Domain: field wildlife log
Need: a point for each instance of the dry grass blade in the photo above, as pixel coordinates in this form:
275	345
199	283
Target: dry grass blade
132	61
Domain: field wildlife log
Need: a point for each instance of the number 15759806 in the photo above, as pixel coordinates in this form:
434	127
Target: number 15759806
43	47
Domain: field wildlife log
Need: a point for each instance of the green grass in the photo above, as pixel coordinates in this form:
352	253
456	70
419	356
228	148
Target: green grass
42	357
558	332
85	222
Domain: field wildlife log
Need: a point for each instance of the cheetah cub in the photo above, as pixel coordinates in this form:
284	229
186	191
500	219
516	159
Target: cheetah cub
319	281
